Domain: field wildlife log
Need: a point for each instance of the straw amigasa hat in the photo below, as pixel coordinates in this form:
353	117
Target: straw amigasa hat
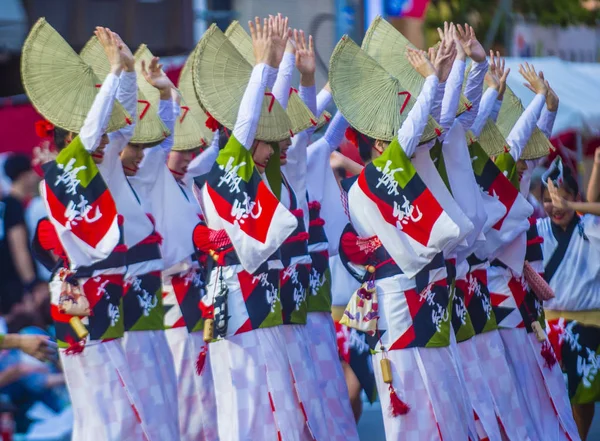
512	108
60	85
221	75
370	97
190	131
491	139
388	46
149	128
243	43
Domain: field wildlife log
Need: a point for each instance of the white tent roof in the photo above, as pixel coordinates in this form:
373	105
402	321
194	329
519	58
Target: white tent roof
577	86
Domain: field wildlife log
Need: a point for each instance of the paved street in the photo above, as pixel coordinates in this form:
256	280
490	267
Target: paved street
370	427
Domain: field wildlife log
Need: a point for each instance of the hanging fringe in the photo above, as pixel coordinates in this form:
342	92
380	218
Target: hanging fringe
75	347
397	406
201	360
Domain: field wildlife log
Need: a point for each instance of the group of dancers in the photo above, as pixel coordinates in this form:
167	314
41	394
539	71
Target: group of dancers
215	277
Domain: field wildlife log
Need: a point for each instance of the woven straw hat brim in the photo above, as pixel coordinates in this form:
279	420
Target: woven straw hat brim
300	115
491	139
189	134
388	47
372	100
60	85
512	108
323	120
149	128
221	75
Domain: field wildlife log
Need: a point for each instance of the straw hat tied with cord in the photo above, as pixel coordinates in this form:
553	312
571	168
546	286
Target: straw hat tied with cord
372	98
62	86
221	74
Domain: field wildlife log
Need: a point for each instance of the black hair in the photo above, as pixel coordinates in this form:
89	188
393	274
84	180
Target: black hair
365	147
569	182
60	138
15	165
224	137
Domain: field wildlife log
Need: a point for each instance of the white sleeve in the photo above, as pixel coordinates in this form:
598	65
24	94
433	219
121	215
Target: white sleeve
496	110
335	133
519	135
436	107
525	182
473	92
168	111
202	163
249	112
295	170
281	89
323	99
309	97
490	97
452	95
96	121
411	131
546	122
127	96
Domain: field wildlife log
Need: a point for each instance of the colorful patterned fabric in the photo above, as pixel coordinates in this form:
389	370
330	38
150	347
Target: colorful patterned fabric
477	297
142	303
106	321
182	294
80	206
532	308
577	347
319	294
461	319
391	199
237	199
507	293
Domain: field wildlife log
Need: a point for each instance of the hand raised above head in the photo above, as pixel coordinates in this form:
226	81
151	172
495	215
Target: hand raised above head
155	76
127	59
444	58
111	47
468	40
552	100
420	62
534	82
305	53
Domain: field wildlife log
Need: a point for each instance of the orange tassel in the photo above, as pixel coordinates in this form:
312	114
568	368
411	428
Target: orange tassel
397	406
200	361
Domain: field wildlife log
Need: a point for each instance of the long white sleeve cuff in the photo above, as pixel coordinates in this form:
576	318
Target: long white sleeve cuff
436	107
281	89
452	94
411	131
97	119
546	121
496	110
336	131
490	97
474	91
323	99
202	163
249	112
526	124
168	115
309	97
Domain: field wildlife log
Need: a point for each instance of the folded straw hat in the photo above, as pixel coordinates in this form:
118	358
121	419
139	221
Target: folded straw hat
388	46
512	108
371	98
221	75
299	113
60	85
490	139
190	129
149	128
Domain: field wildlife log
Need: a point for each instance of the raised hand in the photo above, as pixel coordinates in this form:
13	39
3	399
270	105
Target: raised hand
127	59
281	35
111	47
269	40
534	82
557	200
420	62
552	100
155	76
42	154
305	54
497	69
444	58
468	40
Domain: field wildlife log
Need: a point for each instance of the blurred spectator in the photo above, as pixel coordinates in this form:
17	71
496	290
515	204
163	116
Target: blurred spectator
408	17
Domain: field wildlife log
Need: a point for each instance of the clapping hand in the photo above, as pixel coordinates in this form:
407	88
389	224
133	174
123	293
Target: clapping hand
112	48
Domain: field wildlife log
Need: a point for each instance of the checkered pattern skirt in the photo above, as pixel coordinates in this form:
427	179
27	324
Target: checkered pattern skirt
151	366
195	393
104	400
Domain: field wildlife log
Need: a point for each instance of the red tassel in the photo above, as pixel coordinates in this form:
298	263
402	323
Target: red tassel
397	406
506	150
438	132
200	361
74	346
352	136
212	123
44	129
358	250
548	354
